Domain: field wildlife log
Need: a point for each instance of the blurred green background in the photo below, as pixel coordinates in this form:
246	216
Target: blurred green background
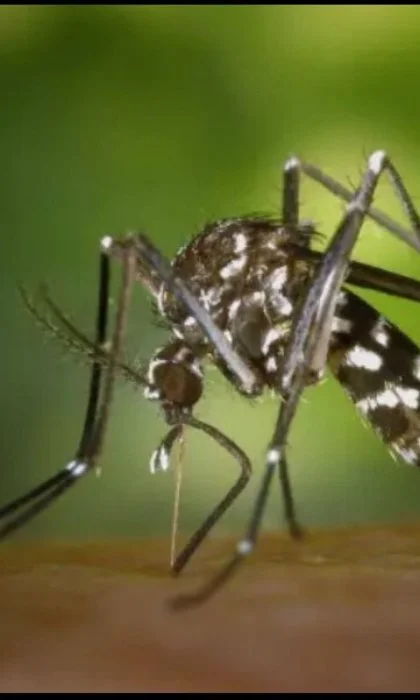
160	119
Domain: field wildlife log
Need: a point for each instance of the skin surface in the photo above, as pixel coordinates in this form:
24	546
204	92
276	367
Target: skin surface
338	612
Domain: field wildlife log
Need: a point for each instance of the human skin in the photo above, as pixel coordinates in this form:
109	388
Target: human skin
338	612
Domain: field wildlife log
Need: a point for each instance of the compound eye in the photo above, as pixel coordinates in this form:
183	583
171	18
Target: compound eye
178	384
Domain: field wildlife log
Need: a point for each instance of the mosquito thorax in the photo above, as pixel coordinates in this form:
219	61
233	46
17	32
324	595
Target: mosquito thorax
246	275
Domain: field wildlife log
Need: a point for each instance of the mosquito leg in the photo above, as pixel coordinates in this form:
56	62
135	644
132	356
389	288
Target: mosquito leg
293	525
233	493
94	447
370	277
38	498
160	462
330	273
26	507
290	218
382	219
291	177
96	376
245	546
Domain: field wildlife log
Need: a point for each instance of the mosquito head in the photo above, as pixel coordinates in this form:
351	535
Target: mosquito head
175	378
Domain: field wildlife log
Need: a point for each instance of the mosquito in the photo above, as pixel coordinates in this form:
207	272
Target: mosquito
251	296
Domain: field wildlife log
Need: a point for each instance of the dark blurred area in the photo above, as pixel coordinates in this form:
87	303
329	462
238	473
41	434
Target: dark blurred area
161	119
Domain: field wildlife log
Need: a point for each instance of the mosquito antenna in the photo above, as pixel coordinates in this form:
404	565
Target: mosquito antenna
73	339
